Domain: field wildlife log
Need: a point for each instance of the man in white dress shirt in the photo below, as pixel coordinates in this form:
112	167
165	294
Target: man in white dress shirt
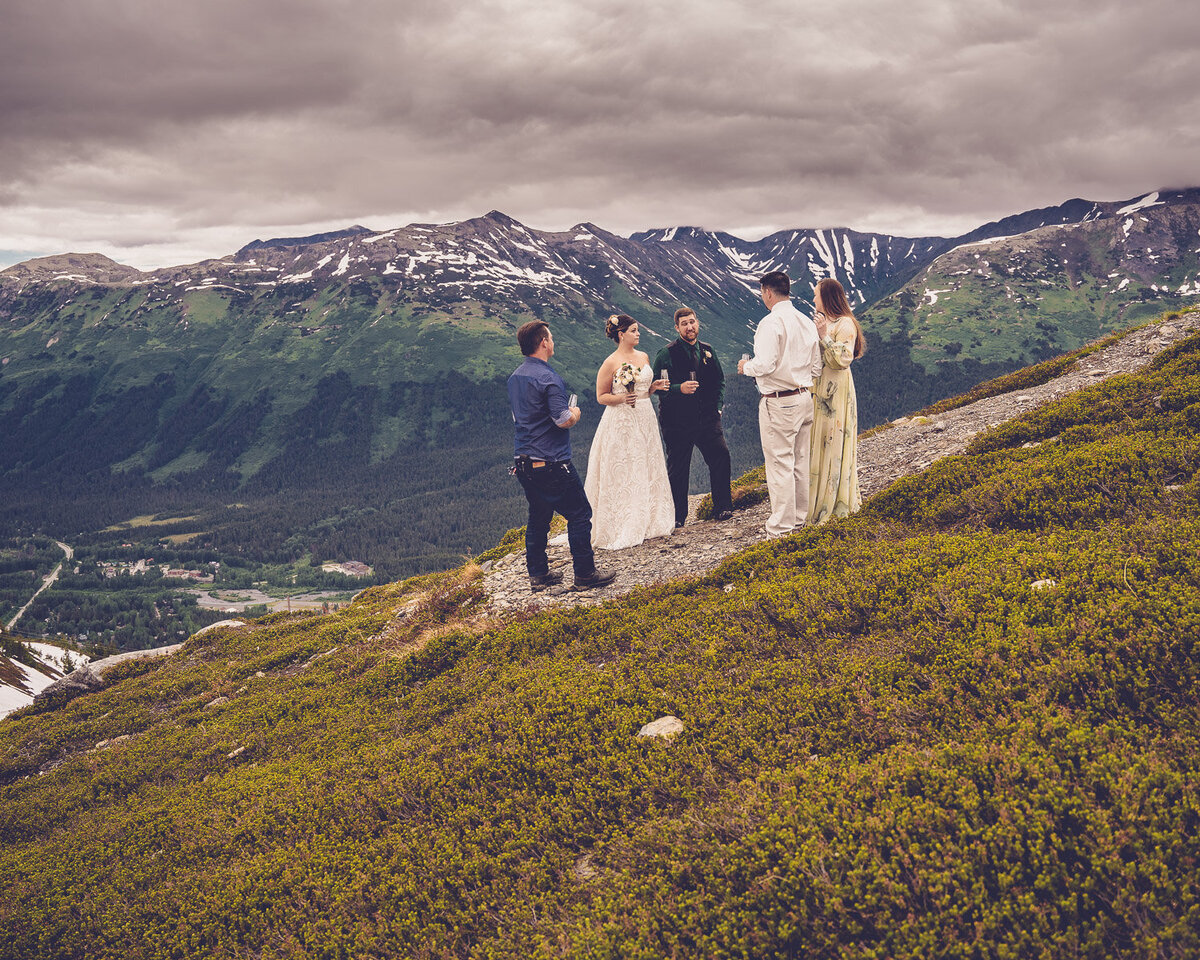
785	365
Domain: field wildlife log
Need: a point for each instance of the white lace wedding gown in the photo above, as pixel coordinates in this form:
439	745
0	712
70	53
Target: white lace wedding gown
626	481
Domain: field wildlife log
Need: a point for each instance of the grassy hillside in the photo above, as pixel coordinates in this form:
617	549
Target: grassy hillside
963	723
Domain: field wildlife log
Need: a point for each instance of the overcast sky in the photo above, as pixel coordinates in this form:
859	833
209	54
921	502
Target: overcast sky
162	132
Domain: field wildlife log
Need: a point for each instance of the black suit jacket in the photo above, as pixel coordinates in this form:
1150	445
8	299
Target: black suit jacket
677	409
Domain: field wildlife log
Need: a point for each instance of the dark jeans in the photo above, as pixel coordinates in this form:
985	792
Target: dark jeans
708	436
556	487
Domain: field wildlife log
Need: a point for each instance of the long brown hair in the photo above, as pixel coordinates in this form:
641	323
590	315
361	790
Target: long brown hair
833	298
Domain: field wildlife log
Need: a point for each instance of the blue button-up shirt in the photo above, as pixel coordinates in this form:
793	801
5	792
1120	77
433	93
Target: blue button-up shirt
538	398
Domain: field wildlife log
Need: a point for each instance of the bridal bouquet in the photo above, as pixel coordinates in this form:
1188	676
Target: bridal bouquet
626	375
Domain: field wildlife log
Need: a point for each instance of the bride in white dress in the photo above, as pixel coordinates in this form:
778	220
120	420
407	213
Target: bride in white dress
627	482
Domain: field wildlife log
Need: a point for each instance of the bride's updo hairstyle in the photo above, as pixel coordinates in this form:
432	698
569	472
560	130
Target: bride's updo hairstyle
617	324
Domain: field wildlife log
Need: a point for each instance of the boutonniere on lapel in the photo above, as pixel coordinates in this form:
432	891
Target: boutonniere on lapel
707	355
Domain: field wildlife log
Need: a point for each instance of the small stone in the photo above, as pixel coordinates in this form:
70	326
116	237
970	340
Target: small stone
729	588
663	728
259	673
1174	487
487	565
583	869
939	426
235	753
216	703
1040	585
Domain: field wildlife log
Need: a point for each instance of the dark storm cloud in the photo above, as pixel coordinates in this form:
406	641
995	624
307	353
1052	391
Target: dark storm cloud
201	124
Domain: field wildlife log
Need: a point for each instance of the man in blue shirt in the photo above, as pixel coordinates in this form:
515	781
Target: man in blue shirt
542	455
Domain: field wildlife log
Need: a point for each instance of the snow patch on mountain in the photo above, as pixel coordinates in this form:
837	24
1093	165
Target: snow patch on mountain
1150	200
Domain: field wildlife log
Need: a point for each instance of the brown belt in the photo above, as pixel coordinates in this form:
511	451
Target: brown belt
785	393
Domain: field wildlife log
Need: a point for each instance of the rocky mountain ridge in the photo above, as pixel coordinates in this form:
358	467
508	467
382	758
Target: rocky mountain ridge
1021	297
505	253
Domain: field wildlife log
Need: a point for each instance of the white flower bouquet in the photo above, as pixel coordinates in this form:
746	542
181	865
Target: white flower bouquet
626	376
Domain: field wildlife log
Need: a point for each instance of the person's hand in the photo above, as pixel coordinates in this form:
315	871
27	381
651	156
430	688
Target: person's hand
660	385
631	398
575	415
741	363
689	386
822	323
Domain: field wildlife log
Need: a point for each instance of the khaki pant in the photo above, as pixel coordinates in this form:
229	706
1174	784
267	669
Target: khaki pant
784	427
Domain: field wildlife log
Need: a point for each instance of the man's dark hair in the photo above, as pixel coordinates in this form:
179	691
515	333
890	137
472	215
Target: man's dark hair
683	312
531	335
777	282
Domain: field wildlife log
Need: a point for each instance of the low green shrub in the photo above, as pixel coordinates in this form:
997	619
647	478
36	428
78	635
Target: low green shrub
747	490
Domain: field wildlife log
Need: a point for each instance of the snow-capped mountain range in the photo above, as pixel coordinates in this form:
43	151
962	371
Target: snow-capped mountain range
495	257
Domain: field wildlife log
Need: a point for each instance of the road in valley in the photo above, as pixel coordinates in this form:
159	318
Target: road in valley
46	581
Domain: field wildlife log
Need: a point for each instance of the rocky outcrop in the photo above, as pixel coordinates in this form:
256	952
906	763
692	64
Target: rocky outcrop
83	680
91	677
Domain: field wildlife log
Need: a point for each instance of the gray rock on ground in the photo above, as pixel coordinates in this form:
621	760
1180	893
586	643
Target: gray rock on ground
82	680
664	728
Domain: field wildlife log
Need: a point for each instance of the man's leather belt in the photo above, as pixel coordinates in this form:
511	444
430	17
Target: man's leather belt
785	393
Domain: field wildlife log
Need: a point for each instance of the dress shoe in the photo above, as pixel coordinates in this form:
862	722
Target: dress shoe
678	524
597	578
545	581
724	515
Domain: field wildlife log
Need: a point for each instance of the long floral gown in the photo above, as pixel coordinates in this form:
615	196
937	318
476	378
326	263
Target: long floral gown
833	477
626	481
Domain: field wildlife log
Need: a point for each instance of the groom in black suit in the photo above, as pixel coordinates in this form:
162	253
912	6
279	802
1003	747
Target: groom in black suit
690	415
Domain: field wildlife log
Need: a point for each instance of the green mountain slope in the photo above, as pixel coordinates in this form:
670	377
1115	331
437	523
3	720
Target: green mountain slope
1014	300
962	723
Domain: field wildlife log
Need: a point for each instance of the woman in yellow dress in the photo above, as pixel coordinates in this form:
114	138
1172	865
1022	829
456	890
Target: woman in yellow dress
833	477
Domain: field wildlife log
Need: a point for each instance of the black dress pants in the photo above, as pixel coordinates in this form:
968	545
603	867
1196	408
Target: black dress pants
708	436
